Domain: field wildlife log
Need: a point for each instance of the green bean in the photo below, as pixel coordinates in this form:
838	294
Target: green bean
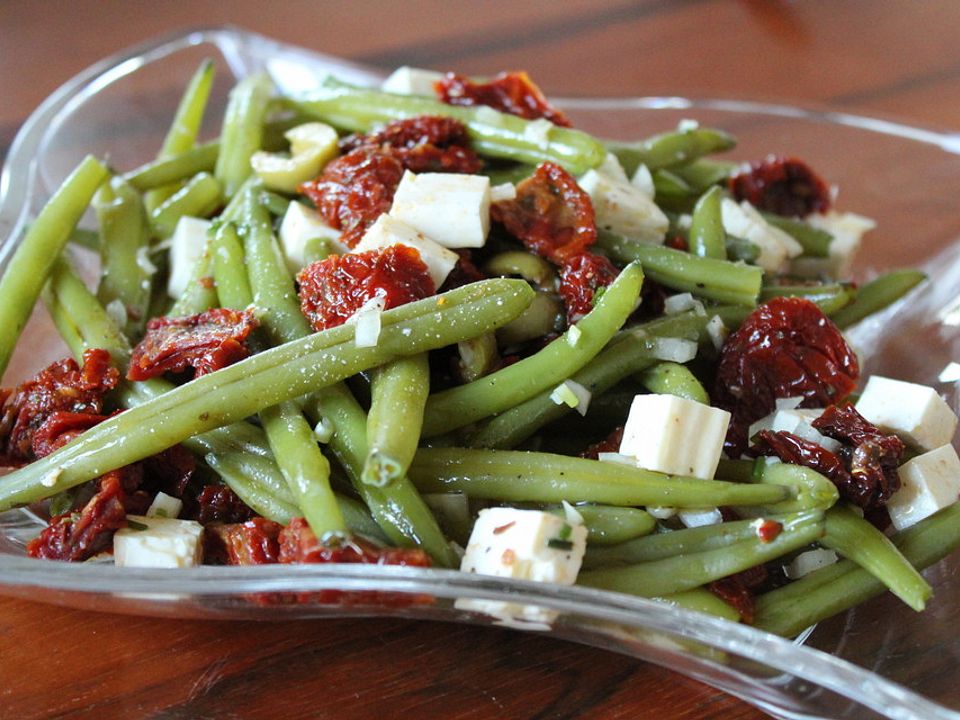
185	126
835	588
491	133
511	475
397	508
815	242
229	269
736	470
673	543
274	202
33	259
398	394
707	236
741	250
878	294
718	280
478	356
610	525
685	572
704	601
700	174
237	469
123	227
830	298
531	268
283	373
89	239
623	357
672	192
200	197
670	149
670	378
171	170
242	133
494	393
511	173
858	540
201	293
811	490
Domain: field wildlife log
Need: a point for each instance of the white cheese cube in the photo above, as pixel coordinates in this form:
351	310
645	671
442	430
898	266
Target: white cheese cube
407	80
797	421
847	230
612	168
164	505
930	482
300	227
186	247
524	545
700	517
743	221
674	435
806	562
624	208
916	413
387	231
449	208
643	180
158	543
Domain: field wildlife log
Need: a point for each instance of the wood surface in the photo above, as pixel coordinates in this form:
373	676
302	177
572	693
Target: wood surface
880	57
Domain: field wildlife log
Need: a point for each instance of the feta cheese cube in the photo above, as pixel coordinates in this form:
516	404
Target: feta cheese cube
643	180
674	435
624	208
451	209
186	247
847	230
930	482
612	168
916	413
798	422
524	545
387	231
406	80
300	228
158	543
743	221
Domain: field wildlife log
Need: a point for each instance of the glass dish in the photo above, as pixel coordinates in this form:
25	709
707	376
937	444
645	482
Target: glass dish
857	665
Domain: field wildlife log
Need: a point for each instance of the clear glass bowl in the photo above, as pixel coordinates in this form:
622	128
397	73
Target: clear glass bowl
860	664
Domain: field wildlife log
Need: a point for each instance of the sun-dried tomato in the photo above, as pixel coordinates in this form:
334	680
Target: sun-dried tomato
785	186
580	277
799	451
62	386
738	590
610	444
463	273
551	214
254	542
205	342
677	242
59	428
333	289
785	348
426	143
172	470
218	503
513	93
77	536
872	457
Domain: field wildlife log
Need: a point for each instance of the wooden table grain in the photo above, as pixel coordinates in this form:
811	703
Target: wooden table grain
889	57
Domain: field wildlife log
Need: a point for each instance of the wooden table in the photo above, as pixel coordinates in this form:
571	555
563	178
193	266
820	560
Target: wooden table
892	57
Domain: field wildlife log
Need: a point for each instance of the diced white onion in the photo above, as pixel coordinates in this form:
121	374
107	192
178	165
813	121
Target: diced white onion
613	457
807	562
572	394
788	403
700	517
717	332
678	303
661	512
538	132
144	262
571	513
687	124
367	320
117	312
573	335
673	349
504	191
324	430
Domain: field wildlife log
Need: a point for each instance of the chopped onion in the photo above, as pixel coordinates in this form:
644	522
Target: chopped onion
807	562
687	124
700	517
678	303
573	335
367	320
661	512
572	515
504	191
572	394
788	403
538	132
673	349
324	430
717	332
613	457
144	262
117	312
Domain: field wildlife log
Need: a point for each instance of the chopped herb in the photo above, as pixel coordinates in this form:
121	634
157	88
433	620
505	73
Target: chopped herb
138	526
558	544
565	532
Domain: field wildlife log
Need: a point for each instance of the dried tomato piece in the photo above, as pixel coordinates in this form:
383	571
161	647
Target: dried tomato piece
427	143
333	289
62	386
254	542
205	342
799	451
551	214
355	189
785	348
171	470
611	443
463	273
81	535
513	93
738	590
59	428
872	457
218	503
785	186
580	278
